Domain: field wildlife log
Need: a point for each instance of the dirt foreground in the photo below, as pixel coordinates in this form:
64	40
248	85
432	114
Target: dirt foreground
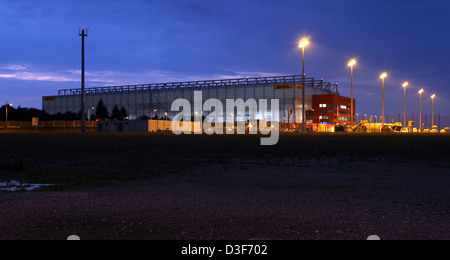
269	194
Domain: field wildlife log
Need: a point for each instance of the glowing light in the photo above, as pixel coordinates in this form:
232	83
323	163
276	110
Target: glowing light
433	97
352	63
383	76
421	91
405	84
304	43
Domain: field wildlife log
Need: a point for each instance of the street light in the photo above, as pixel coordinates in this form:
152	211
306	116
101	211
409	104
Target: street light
6	118
383	77
351	64
404	103
303	44
421	93
166	116
433	97
89	113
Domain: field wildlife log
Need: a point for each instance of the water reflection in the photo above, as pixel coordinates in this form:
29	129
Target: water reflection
13	186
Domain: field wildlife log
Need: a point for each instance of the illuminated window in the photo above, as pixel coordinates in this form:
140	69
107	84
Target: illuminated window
320	117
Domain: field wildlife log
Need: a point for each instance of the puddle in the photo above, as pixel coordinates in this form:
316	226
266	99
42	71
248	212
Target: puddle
13	186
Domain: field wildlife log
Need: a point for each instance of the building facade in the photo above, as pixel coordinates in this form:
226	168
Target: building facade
333	109
157	99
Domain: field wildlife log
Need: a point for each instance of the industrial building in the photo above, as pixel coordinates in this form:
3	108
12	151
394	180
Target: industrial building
332	109
157	99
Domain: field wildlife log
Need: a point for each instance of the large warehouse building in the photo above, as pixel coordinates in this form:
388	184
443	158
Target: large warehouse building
157	98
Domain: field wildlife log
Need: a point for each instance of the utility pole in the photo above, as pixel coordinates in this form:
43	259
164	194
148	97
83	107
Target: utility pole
83	33
303	94
383	77
421	93
303	44
433	97
6	116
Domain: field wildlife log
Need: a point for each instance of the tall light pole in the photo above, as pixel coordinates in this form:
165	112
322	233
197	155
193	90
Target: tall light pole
383	77
404	104
351	64
303	44
83	33
433	97
421	93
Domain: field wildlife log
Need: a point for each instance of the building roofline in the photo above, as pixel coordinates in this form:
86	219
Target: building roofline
310	82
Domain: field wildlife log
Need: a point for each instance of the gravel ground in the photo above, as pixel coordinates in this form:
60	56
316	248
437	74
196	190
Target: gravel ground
292	199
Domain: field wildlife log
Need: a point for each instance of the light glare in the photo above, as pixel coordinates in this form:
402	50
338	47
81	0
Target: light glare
304	43
352	63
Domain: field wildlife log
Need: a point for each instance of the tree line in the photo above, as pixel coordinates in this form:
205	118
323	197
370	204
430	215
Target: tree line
103	113
26	114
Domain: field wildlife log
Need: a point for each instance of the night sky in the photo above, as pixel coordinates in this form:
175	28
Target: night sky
137	41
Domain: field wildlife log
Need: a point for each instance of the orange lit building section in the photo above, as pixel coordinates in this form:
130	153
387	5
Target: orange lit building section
332	109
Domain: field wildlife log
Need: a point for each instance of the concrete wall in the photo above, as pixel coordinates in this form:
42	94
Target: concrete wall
144	126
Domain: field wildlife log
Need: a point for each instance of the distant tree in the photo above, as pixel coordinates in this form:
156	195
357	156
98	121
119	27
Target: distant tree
115	113
143	117
155	117
68	116
23	114
94	117
102	111
123	113
26	114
